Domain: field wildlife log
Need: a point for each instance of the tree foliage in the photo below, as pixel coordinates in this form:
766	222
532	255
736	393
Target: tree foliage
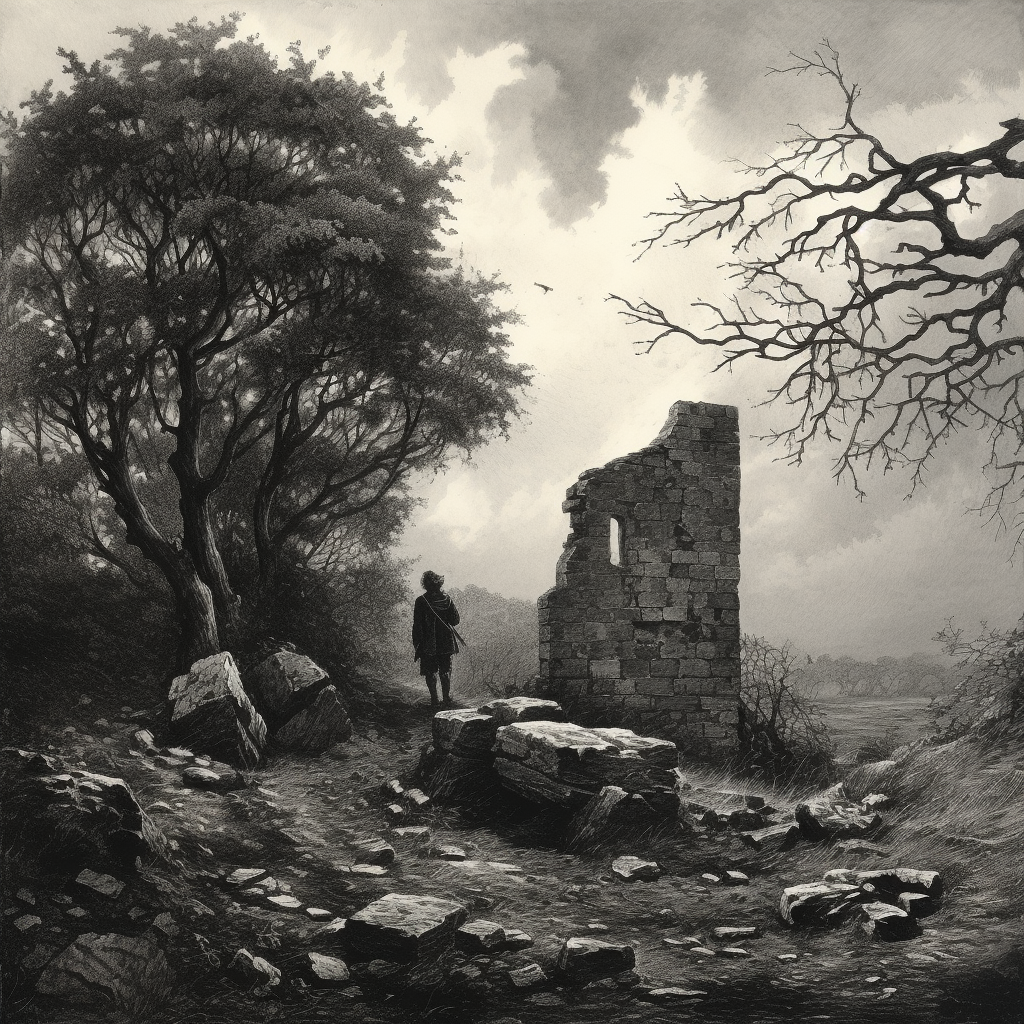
879	283
219	270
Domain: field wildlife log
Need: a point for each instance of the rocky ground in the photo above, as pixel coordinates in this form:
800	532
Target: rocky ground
256	908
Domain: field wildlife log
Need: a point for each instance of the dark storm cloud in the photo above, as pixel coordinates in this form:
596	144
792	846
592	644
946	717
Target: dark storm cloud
594	52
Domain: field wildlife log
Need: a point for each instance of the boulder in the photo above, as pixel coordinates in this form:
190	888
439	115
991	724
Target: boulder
613	813
480	937
515	939
98	816
129	971
819	903
585	956
316	727
886	922
211	712
635	869
253	972
285	683
772	839
509	710
403	928
464	732
216	778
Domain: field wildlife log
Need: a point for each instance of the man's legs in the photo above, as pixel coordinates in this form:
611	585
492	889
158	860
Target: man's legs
432	687
446	687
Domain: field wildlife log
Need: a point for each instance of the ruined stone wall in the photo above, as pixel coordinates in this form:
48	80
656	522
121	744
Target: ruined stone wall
653	641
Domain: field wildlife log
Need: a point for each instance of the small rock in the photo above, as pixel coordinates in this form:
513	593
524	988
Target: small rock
393	788
417	798
773	838
884	921
786	956
743	820
875	802
222	781
166	761
25	896
891	881
634	869
735	878
396	812
594	956
733	952
27	922
326	971
165	923
375	851
450	853
403	927
671	995
916	904
105	885
711	879
253	971
818	903
476	937
246	876
688	943
516	939
319	914
285	902
702	951
728	933
76	912
372	870
527	976
596	926
418	833
136	913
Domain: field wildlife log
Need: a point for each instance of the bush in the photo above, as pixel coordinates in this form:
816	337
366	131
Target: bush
782	735
990	694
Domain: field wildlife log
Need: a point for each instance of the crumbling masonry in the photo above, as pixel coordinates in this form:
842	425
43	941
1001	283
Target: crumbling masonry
642	626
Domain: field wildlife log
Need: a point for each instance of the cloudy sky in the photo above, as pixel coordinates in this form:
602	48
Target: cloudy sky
574	120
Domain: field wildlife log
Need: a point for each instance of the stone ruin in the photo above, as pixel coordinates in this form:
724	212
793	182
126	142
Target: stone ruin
642	625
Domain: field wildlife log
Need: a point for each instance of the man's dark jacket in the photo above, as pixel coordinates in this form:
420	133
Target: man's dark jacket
432	614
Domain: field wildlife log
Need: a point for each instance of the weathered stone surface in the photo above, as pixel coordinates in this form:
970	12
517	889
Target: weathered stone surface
735	933
821	820
875	802
735	878
818	903
743	820
285	902
212	713
595	957
143	742
253	972
642	624
284	683
326	971
220	779
538	787
105	885
516	939
480	936
884	921
528	976
316	727
246	876
129	971
375	851
403	928
890	881
660	753
916	904
610	814
417	799
635	869
672	994
464	731
108	823
509	710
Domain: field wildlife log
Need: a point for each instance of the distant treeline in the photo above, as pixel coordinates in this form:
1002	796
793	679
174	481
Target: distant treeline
918	675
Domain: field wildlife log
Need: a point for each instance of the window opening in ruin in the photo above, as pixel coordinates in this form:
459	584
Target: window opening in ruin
615	538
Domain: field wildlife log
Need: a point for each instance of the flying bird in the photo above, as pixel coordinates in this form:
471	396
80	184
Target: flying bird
544	287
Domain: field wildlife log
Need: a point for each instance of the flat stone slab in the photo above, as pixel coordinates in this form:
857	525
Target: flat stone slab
635	869
403	928
480	937
731	933
326	971
246	876
464	731
509	710
105	885
595	956
216	781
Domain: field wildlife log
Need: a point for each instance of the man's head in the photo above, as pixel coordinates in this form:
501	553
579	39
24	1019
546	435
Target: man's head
431	581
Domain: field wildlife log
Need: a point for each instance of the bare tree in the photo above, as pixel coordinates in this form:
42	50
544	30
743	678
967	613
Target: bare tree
891	300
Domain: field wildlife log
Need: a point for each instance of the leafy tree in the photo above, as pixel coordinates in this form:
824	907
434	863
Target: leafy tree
211	263
879	283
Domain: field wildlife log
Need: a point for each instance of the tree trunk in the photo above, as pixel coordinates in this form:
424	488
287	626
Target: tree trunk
197	617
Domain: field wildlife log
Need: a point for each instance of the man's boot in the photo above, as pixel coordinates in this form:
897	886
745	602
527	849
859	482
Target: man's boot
432	687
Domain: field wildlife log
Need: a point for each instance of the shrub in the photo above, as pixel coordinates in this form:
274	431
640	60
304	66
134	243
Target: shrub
781	734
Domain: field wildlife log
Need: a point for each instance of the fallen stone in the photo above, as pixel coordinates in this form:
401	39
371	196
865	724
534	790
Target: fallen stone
733	952
516	939
318	726
27	922
819	821
371	870
916	904
597	926
25	896
509	710
735	878
702	951
143	742
319	914
731	933
246	876
890	881
875	802
635	869
527	976
886	922
253	972
211	711
128	971
613	813
285	683
105	885
417	798
396	812
166	924
403	928
711	879
449	853
285	902
223	780
818	903
688	943
375	851
671	995
393	788
745	820
464	731
414	833
76	912
595	957
477	937
325	971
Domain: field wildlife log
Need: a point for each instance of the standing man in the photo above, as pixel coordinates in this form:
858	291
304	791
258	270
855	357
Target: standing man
434	637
